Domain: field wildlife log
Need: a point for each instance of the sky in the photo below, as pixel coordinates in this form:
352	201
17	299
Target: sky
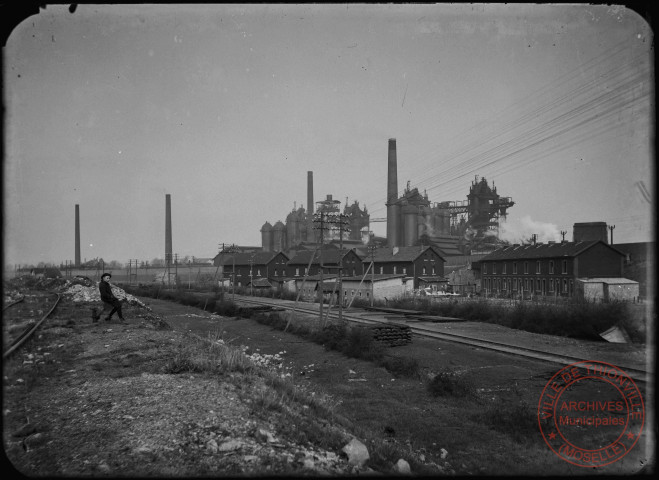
227	107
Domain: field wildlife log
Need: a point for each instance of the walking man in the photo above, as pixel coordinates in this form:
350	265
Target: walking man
109	300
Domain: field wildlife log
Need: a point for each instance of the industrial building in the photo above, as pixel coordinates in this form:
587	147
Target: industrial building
307	262
252	267
298	231
454	227
548	268
462	225
463	235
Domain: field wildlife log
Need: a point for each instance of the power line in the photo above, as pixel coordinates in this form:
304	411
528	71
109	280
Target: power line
591	117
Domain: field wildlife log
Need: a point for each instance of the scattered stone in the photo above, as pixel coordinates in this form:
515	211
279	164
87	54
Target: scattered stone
402	467
265	436
443	454
211	445
357	453
230	446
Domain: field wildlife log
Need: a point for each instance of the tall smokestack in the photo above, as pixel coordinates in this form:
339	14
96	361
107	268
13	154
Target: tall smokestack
310	192
392	195
310	234
168	228
392	172
77	257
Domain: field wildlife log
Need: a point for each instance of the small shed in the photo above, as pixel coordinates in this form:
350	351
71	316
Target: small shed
608	289
435	283
260	284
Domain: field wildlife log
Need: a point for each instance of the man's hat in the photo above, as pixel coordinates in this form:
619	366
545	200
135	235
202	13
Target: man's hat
106	275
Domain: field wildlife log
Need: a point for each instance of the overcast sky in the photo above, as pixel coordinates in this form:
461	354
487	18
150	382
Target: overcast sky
226	108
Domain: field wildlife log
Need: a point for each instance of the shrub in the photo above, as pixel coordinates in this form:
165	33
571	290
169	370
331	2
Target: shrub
332	337
182	363
518	420
210	355
401	366
359	343
225	308
449	383
276	321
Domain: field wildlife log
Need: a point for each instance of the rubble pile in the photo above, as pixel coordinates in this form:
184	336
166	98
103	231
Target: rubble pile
81	293
11	296
391	335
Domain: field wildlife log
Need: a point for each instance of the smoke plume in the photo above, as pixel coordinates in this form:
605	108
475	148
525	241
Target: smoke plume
520	230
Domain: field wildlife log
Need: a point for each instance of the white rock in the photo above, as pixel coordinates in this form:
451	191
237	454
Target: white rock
265	436
230	446
443	453
402	467
212	446
357	452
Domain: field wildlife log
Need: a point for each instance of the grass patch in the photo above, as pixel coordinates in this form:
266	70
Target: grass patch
211	355
517	420
449	383
574	318
401	366
354	342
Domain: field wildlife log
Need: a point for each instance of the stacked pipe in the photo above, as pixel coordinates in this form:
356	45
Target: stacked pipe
391	335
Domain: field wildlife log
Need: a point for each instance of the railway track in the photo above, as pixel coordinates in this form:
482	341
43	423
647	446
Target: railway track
635	373
24	316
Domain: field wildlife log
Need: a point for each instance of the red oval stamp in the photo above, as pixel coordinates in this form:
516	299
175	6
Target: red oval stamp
591	413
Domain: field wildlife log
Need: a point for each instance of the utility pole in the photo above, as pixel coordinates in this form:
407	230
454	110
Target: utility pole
611	227
130	271
251	277
325	207
233	249
563	232
319	219
341	219
176	269
168	263
371	250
